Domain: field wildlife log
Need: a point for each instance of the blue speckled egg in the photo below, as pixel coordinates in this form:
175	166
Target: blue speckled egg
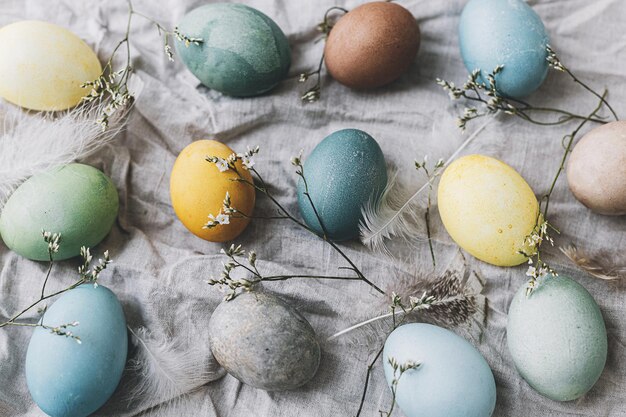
509	33
67	379
243	52
452	380
557	338
343	172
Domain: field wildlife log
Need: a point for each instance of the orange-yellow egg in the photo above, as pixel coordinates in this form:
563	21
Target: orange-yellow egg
198	188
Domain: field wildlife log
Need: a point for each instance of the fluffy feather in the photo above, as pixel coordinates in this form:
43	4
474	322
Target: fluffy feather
397	212
31	142
458	303
598	266
164	369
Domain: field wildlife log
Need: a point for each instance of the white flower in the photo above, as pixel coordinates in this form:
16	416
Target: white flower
532	271
247	162
222	165
222	219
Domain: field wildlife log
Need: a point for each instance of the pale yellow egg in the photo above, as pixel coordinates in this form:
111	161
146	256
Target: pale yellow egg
42	66
488	209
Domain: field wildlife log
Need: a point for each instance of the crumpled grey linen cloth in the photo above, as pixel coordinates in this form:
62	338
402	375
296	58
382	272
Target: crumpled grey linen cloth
160	269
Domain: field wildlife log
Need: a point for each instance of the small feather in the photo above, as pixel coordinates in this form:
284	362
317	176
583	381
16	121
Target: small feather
598	266
458	303
165	369
32	142
397	212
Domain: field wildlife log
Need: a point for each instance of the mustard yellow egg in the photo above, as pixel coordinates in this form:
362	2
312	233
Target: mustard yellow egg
488	209
42	66
198	189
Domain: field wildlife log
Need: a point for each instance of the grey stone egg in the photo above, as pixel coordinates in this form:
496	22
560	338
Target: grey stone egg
264	342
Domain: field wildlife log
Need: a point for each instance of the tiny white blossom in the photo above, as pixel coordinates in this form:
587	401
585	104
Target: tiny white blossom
222	219
222	165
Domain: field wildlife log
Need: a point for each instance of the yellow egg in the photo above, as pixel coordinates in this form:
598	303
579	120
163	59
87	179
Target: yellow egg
198	188
488	209
43	65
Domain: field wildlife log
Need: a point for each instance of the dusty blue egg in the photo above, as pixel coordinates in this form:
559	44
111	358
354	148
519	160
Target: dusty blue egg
343	172
557	338
68	379
452	380
509	33
242	53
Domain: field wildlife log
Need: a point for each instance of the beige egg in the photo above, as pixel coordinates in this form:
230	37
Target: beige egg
42	66
596	171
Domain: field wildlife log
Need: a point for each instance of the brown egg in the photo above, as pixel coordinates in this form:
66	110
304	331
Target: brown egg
372	45
596	171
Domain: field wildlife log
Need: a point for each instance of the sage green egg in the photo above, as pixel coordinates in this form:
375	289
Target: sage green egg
75	200
241	52
557	338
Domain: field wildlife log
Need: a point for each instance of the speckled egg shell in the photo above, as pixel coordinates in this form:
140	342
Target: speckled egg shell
557	338
509	33
243	52
343	173
596	171
264	342
372	45
67	379
487	208
453	379
42	66
76	200
198	188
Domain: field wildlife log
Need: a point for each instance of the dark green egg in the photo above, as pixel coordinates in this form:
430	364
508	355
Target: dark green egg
242	51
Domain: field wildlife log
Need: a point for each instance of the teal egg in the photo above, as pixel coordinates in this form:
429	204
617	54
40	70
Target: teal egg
67	379
76	200
557	338
452	380
343	173
243	52
509	33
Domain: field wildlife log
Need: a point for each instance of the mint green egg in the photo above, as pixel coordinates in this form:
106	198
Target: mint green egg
76	200
242	51
557	338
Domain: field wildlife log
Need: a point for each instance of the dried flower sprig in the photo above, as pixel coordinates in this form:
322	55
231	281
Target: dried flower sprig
54	241
538	268
233	285
313	93
486	93
111	87
422	166
399	369
227	211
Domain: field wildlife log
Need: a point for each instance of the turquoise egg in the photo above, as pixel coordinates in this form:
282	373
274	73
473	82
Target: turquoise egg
452	380
243	52
67	379
76	200
343	172
557	338
509	33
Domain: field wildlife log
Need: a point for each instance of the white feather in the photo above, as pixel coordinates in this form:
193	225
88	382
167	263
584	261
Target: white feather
397	212
32	142
164	369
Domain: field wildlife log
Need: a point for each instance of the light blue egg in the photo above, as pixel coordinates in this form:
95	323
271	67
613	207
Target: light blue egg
557	338
243	52
509	33
453	379
343	172
67	379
